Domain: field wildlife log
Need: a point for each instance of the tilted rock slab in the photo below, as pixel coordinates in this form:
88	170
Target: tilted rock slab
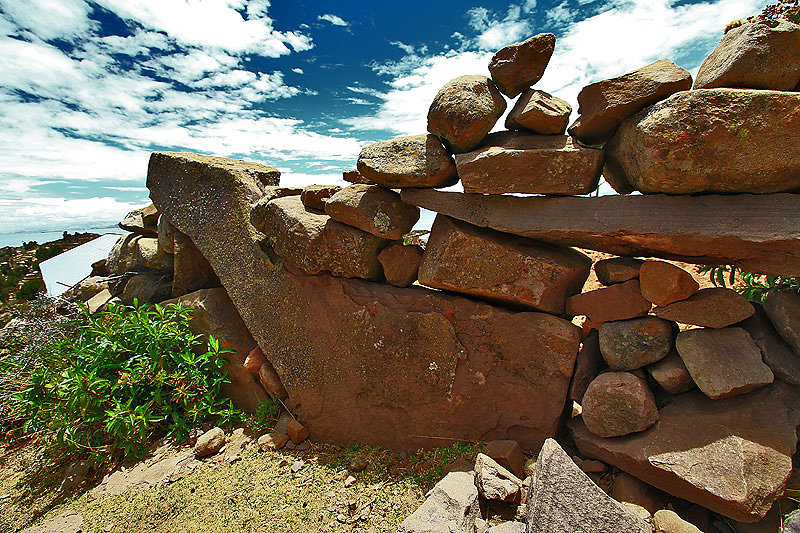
671	374
713	307
608	304
732	456
723	136
663	283
191	270
494	481
142	221
539	112
412	161
339	345
451	506
373	209
755	233
778	355
315	196
783	310
617	270
500	267
517	66
521	162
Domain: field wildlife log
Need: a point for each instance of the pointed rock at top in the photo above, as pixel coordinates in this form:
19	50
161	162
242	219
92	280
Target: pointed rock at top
517	66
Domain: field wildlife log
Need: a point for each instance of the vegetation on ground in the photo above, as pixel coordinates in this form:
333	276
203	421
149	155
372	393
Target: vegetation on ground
754	287
785	9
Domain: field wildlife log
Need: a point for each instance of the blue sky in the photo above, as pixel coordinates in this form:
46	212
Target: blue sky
88	88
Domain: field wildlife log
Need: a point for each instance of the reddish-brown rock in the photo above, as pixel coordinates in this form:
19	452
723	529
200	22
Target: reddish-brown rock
605	104
723	362
521	162
671	373
272	441
587	366
732	456
373	209
618	403
634	343
354	176
401	263
715	307
539	112
778	355
464	111
517	66
508	454
617	270
723	134
142	221
297	431
760	55
499	267
617	302
271	381
191	271
315	196
254	360
783	310
412	161
663	283
166	235
274	191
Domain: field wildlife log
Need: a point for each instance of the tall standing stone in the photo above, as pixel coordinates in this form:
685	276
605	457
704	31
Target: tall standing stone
413	161
517	66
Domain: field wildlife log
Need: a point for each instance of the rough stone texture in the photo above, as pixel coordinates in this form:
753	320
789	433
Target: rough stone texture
508	454
134	252
316	243
259	210
562	498
521	162
517	66
373	209
494	482
209	442
618	403
271	381
723	134
792	523
778	355
714	307
147	287
464	111
634	343
725	455
254	360
98	301
401	263
617	270
452	506
508	527
337	344
723	362
86	288
166	235
539	112
605	104
617	302
783	310
629	489
315	196
587	366
666	521
191	271
412	161
671	374
499	267
142	221
272	441
354	176
663	283
760	55
296	431
755	233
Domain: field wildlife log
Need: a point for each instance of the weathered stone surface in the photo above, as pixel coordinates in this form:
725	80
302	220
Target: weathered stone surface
666	521
508	527
451	507
86	288
272	441
209	442
618	403
723	362
756	233
134	252
539	112
338	344
714	307
632	344
191	271
373	209
723	134
494	482
760	55
671	374
633	490
142	221
259	210
98	301
401	263
464	111
412	161
663	283
166	235
617	302
605	104
254	360
316	243
587	366
508	454
725	455
521	162
499	267
271	381
147	287
783	310
297	432
617	270
315	196
778	355
354	176
563	499
517	66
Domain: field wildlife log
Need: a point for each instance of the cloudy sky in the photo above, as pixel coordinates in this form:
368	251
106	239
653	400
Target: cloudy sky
88	88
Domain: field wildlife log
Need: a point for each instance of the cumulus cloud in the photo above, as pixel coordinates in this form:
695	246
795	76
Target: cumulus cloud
55	213
333	19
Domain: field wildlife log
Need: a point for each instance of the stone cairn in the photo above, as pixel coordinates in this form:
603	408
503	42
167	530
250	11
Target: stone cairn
690	395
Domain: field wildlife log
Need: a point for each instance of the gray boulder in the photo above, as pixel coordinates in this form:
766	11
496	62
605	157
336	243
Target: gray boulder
450	507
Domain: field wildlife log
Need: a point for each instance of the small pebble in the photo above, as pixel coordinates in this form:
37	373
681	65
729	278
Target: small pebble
349	481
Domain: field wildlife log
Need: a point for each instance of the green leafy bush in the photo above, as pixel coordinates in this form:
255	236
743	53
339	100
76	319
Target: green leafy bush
30	289
125	377
754	287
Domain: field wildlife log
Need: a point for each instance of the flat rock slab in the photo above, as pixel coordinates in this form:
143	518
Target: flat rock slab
671	374
412	161
755	233
562	498
617	270
778	355
452	505
539	112
723	362
521	162
339	345
373	209
315	196
663	283
783	309
501	267
714	307
608	304
634	343
725	455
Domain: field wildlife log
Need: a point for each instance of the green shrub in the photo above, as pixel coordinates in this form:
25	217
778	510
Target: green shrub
754	287
30	288
127	376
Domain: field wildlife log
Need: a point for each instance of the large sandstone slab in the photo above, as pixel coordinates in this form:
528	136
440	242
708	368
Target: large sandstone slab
191	270
412	161
339	345
725	455
501	267
521	162
723	135
756	233
713	307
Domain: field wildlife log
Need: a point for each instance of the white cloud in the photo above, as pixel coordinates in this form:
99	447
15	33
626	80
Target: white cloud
59	213
297	70
50	19
333	19
302	179
494	33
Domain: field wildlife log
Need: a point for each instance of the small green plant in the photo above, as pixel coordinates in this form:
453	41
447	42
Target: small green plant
30	288
754	287
265	416
125	377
